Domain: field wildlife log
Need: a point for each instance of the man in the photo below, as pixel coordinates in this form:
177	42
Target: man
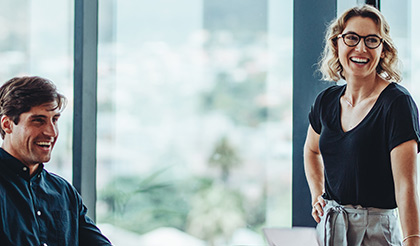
37	207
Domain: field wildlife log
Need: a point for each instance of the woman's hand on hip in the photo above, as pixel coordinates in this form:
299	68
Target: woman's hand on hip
318	209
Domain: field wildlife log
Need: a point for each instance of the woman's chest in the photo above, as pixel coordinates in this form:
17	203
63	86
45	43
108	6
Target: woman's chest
350	116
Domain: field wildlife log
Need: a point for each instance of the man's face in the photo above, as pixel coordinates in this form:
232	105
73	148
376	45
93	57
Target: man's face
31	141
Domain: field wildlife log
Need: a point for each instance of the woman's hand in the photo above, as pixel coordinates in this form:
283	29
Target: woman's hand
318	209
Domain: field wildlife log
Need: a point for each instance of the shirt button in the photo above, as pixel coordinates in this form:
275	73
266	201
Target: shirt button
38	213
25	169
44	244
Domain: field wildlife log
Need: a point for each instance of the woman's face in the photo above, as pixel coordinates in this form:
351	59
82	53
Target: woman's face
359	61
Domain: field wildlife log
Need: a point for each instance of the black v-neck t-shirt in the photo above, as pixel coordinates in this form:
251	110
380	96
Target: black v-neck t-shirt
357	163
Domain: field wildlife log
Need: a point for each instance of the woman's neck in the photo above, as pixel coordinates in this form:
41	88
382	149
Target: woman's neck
359	89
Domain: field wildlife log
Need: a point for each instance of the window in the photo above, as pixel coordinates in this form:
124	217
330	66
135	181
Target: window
403	19
32	44
194	121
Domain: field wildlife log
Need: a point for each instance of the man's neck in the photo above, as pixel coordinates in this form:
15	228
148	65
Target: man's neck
32	167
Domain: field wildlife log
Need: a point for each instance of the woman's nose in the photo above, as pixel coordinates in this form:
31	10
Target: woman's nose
361	47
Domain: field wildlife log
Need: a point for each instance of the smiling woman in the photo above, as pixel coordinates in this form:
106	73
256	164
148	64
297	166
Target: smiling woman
389	64
367	128
358	59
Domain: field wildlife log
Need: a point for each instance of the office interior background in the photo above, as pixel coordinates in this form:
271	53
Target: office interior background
194	101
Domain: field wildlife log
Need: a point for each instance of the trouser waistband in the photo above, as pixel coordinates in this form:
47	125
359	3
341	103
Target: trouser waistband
342	214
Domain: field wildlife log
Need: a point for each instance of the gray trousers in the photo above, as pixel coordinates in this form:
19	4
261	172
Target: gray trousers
354	225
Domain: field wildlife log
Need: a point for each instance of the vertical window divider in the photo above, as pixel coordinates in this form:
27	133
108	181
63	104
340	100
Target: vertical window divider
309	25
85	101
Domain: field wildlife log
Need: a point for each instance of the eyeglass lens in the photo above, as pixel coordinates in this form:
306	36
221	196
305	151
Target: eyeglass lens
371	41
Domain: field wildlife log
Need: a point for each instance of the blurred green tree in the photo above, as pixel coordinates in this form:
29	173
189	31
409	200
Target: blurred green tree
225	157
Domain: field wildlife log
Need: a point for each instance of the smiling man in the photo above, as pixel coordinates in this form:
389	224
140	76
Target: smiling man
37	207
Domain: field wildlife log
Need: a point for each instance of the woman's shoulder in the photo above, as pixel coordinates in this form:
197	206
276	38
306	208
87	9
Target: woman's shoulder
331	92
396	97
394	91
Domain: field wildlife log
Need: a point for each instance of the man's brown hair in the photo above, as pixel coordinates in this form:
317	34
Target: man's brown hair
20	94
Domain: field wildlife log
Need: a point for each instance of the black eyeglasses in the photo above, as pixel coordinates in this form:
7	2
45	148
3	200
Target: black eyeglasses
353	39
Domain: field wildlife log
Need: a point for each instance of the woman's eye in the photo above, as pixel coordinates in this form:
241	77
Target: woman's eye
352	38
372	40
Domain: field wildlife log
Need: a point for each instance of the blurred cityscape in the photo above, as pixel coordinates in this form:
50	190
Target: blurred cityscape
197	107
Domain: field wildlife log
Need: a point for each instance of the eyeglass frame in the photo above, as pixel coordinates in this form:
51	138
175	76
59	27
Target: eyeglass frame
381	40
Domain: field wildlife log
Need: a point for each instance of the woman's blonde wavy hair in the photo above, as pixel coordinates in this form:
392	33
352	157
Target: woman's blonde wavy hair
330	66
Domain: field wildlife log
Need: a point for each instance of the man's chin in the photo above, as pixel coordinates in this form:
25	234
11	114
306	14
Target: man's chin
44	159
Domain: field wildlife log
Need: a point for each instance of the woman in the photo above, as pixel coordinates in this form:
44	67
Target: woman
363	139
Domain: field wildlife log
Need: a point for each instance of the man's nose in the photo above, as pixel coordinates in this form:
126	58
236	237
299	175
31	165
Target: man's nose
51	130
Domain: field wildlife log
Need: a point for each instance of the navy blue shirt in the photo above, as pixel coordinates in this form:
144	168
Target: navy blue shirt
41	210
357	163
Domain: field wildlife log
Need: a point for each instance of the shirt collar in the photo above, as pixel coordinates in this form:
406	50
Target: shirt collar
17	167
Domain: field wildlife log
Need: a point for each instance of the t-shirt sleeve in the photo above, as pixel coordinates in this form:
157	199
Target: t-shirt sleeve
403	122
315	114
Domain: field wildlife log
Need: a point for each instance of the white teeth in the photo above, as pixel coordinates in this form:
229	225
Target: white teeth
359	60
43	143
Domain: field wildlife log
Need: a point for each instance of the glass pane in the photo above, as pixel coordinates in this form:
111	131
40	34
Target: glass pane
343	5
36	38
404	21
194	121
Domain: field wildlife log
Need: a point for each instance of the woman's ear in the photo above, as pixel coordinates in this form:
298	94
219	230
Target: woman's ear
382	54
6	124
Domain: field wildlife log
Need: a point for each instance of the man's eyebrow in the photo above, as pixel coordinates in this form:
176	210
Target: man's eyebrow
43	116
38	116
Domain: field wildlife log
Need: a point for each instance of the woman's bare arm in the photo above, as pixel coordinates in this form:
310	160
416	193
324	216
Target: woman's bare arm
404	169
314	171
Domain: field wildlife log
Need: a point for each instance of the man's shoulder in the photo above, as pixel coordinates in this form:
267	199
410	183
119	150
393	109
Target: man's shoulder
50	176
56	180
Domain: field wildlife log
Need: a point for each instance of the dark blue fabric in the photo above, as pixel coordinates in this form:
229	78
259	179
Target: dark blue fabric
42	209
357	163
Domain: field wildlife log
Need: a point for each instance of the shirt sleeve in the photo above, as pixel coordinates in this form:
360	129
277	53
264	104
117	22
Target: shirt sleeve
315	114
89	233
403	122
